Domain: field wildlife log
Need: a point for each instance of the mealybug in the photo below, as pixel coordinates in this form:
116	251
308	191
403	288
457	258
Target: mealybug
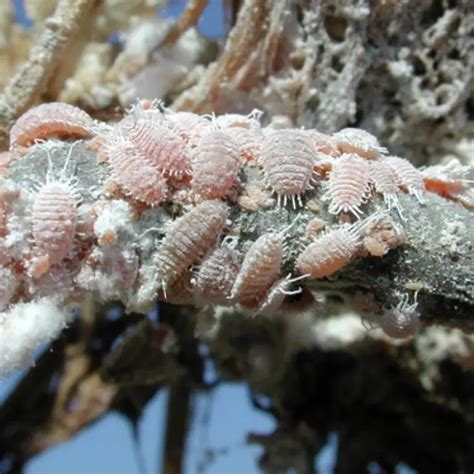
215	165
401	321
133	173
259	270
54	219
189	238
216	275
356	140
288	157
162	147
385	182
408	177
348	185
45	121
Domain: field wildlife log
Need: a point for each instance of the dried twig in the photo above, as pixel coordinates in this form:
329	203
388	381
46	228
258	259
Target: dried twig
31	79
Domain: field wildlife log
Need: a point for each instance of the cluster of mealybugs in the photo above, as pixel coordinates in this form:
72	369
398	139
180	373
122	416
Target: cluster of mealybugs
51	242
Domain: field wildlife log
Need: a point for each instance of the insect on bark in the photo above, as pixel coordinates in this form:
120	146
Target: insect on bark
215	165
189	238
348	185
49	120
288	157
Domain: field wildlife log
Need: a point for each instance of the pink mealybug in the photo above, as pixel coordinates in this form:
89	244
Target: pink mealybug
334	249
189	238
384	181
161	146
216	275
348	185
53	119
54	219
248	141
190	126
323	143
408	177
356	140
215	165
329	252
288	158
133	173
401	321
259	270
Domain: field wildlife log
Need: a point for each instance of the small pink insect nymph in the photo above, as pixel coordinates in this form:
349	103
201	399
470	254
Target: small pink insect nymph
54	219
248	141
323	143
348	185
259	270
216	276
133	173
288	158
401	321
215	165
189	238
356	140
329	252
191	126
385	182
161	146
54	119
408	177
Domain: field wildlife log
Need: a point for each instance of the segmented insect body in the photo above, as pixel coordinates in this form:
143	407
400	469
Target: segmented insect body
259	270
322	142
161	146
401	321
134	174
215	166
408	177
8	285
190	125
348	185
330	252
54	119
385	182
54	219
216	276
288	158
356	140
189	238
248	141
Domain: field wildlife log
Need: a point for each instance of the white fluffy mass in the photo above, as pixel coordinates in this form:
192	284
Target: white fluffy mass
24	327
